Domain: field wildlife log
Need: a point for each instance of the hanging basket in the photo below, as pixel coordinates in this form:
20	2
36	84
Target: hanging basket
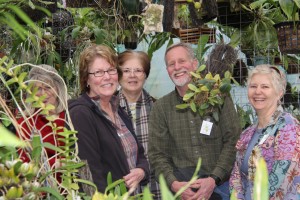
89	3
192	35
288	34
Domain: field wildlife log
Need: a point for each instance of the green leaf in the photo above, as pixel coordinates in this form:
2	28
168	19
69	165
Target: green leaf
75	32
147	194
193	106
195	75
216	116
261	181
49	190
188	96
225	88
227	75
204	106
193	87
8	139
165	192
111	186
37	147
204	88
52	147
287	7
201	68
182	106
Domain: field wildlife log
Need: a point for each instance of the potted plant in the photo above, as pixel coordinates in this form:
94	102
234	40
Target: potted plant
259	38
190	17
288	30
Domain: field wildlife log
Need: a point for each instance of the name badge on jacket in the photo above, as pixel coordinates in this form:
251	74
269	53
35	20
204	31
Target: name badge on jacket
206	127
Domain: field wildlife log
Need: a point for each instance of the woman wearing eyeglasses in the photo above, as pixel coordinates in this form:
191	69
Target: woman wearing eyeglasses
275	137
134	68
106	136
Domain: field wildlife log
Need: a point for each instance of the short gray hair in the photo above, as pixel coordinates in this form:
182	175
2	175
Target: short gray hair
186	46
49	75
278	76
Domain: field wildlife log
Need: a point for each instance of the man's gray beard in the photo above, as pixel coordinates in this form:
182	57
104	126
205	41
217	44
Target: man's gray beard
181	82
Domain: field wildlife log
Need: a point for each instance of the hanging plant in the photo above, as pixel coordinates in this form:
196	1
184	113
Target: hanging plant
152	18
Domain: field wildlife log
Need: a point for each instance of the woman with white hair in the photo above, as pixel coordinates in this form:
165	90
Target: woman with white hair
275	137
51	87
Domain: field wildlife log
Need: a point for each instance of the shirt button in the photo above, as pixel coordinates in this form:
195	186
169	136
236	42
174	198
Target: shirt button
196	152
192	122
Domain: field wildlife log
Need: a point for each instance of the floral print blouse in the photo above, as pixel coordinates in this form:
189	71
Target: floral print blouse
281	151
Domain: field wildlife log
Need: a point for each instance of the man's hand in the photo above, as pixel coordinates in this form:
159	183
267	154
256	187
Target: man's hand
205	188
187	194
134	178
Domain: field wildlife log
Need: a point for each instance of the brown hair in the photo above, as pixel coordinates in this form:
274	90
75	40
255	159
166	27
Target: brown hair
88	56
130	54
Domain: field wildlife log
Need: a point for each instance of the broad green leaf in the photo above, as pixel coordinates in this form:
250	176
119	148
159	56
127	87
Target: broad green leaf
217	77
225	88
8	139
204	88
204	106
49	190
201	68
182	106
261	181
193	106
147	194
195	75
165	192
216	116
188	96
227	75
287	7
193	87
209	76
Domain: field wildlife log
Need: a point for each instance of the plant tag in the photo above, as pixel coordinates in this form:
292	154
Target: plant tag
206	127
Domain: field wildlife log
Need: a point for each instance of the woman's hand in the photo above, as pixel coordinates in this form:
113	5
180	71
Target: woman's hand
134	178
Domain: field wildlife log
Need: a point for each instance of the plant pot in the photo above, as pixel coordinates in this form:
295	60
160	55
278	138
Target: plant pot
192	35
288	34
258	60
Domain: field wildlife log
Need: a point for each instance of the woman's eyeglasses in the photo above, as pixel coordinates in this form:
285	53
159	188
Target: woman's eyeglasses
137	72
99	73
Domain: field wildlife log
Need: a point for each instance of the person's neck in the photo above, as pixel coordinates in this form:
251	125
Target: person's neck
105	105
182	90
132	97
264	118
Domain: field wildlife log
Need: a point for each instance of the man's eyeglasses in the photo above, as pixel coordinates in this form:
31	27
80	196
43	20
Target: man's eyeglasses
99	73
137	72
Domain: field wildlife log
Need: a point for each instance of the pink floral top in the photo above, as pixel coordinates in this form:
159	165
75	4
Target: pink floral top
281	151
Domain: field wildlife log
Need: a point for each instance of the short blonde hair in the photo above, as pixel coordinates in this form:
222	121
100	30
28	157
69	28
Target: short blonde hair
278	76
49	75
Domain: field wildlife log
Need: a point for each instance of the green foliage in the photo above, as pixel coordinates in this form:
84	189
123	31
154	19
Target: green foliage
35	178
206	93
260	188
246	116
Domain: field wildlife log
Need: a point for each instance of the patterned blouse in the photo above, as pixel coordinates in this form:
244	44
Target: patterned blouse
279	145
